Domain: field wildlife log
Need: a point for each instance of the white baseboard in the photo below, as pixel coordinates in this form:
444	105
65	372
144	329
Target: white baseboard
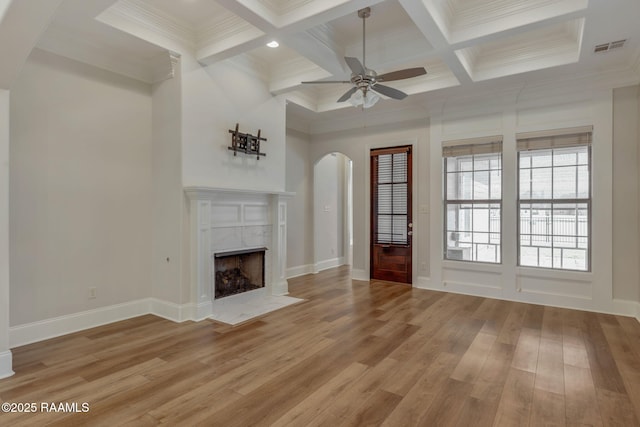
627	308
357	274
329	263
202	311
280	287
423	283
172	311
300	270
619	307
50	328
6	367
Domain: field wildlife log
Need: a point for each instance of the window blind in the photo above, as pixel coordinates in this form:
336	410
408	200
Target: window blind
559	138
391	196
468	147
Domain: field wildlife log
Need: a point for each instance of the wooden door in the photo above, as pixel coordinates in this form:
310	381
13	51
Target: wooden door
391	226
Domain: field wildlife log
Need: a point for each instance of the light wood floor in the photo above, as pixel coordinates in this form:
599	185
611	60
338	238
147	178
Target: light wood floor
352	354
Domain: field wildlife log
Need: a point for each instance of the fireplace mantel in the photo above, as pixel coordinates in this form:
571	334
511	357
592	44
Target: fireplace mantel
226	219
200	193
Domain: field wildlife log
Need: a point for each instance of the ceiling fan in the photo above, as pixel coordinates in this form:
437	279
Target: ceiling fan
366	81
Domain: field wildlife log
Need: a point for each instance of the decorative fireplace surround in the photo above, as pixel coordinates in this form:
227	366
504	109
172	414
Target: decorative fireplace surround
231	220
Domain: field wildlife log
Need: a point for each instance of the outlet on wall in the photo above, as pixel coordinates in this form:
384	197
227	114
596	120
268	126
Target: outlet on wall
92	293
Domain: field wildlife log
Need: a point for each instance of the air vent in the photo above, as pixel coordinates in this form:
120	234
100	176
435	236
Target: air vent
606	47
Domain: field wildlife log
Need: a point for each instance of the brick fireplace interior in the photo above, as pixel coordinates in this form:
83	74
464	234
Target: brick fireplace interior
238	271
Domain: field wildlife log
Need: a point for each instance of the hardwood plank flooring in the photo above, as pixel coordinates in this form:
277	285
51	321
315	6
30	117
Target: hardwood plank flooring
354	353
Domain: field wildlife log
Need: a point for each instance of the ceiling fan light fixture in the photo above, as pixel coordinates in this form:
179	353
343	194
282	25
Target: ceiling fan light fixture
367	99
357	98
370	99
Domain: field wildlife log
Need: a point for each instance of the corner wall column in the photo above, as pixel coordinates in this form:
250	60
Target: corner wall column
279	284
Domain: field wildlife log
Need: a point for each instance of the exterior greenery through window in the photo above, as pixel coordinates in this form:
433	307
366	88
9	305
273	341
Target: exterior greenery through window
554	206
473	199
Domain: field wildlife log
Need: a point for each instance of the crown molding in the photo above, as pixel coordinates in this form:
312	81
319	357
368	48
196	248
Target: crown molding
164	66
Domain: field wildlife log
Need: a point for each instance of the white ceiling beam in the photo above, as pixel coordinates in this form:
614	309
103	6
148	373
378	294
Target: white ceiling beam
21	25
253	13
427	25
319	47
300	35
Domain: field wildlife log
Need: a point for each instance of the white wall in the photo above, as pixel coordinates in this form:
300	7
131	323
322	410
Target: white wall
299	179
5	353
215	98
356	145
329	187
80	186
626	251
167	193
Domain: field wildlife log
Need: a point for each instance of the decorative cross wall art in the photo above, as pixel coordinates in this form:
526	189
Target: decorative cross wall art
245	142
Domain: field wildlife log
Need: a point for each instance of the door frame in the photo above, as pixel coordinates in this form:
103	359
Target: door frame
413	142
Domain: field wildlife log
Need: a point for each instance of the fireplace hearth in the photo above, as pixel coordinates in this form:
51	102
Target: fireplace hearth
238	271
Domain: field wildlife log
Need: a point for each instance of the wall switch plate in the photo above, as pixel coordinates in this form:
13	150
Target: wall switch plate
92	293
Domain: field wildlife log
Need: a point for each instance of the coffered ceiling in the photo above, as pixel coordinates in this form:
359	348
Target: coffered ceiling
465	45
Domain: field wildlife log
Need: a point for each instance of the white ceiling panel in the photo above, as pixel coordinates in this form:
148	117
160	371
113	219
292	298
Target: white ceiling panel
534	50
465	45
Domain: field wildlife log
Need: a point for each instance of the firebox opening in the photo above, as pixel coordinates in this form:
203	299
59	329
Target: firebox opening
238	271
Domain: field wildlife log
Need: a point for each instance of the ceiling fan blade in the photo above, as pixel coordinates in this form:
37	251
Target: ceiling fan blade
325	81
402	74
348	94
389	91
355	65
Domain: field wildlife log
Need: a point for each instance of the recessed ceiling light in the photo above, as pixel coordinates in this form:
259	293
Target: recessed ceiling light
273	44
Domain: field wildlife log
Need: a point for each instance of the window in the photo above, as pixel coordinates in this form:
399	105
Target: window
391	192
554	205
473	199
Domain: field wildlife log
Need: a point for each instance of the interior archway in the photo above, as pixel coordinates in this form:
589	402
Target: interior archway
332	212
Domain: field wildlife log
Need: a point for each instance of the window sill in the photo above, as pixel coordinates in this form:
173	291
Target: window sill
557	274
484	267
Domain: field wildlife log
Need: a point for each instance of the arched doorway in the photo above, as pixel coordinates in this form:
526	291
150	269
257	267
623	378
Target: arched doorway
332	211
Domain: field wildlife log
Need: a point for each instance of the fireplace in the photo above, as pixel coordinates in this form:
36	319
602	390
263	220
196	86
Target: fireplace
224	221
239	271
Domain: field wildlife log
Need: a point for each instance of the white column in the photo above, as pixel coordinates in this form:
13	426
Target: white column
279	284
5	353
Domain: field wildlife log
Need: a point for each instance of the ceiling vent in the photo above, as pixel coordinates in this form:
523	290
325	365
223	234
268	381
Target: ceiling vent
606	47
